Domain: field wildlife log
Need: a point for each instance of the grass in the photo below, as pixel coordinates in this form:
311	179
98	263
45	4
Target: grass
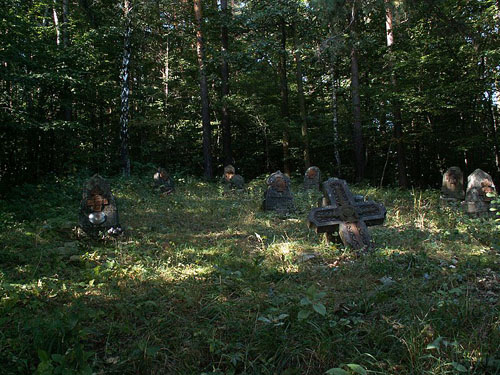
202	283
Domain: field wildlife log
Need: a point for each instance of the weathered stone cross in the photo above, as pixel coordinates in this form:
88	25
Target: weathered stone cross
349	215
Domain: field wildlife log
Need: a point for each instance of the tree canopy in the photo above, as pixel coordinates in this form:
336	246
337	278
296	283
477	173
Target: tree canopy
432	93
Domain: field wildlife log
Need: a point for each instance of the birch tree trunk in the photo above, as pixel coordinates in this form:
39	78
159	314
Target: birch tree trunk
125	93
398	120
56	23
205	106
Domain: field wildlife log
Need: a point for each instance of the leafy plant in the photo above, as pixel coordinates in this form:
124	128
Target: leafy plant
312	303
352	368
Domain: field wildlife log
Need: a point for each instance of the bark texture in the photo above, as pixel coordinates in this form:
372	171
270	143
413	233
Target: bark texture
205	106
125	93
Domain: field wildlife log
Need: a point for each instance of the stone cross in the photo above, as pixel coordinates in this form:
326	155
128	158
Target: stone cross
278	196
312	178
348	214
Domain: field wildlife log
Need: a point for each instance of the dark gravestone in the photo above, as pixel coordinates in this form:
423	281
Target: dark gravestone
312	179
98	212
163	181
477	202
278	196
452	188
346	213
231	180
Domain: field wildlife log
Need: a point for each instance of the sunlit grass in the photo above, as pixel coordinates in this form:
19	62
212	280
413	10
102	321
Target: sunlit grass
206	283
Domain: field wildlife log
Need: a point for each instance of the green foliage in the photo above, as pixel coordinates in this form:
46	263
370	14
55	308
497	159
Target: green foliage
495	206
60	102
313	301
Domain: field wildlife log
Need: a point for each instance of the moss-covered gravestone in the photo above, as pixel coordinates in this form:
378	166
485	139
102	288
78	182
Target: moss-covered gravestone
98	212
452	189
163	181
479	185
312	179
278	196
231	180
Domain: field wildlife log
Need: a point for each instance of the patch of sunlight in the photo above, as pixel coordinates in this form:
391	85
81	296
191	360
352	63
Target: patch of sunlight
389	251
189	271
285	248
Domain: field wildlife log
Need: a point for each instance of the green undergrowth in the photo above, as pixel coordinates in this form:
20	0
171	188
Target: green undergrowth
206	283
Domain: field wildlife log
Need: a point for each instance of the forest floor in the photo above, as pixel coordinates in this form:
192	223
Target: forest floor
202	283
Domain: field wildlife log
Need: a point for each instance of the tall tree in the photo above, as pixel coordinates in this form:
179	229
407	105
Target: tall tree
226	126
302	101
398	120
357	129
65	36
125	92
205	106
335	118
285	114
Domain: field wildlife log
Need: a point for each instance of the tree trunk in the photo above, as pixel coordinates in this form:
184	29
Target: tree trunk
284	100
335	121
166	74
65	32
226	126
302	101
356	111
124	76
67	102
494	126
398	121
205	107
56	23
357	132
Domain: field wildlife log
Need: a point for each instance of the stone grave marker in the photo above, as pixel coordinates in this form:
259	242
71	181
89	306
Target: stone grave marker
452	189
163	181
98	210
231	180
278	196
479	184
346	213
312	179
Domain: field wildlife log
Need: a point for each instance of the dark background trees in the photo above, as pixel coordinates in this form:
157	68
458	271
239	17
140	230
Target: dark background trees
278	75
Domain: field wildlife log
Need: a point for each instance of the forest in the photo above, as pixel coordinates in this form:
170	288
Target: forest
145	227
390	92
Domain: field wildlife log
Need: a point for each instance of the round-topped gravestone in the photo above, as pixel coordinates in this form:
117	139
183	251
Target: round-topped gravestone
231	180
453	185
98	212
312	179
163	181
278	196
479	185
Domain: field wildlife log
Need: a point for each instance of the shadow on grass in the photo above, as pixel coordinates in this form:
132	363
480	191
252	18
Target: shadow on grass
202	283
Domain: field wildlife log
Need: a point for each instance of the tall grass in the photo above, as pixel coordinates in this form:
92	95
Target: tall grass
203	282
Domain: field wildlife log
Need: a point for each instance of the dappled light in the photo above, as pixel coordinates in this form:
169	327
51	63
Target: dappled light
202	280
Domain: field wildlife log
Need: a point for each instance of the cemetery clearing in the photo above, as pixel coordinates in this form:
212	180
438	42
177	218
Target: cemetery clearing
203	282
